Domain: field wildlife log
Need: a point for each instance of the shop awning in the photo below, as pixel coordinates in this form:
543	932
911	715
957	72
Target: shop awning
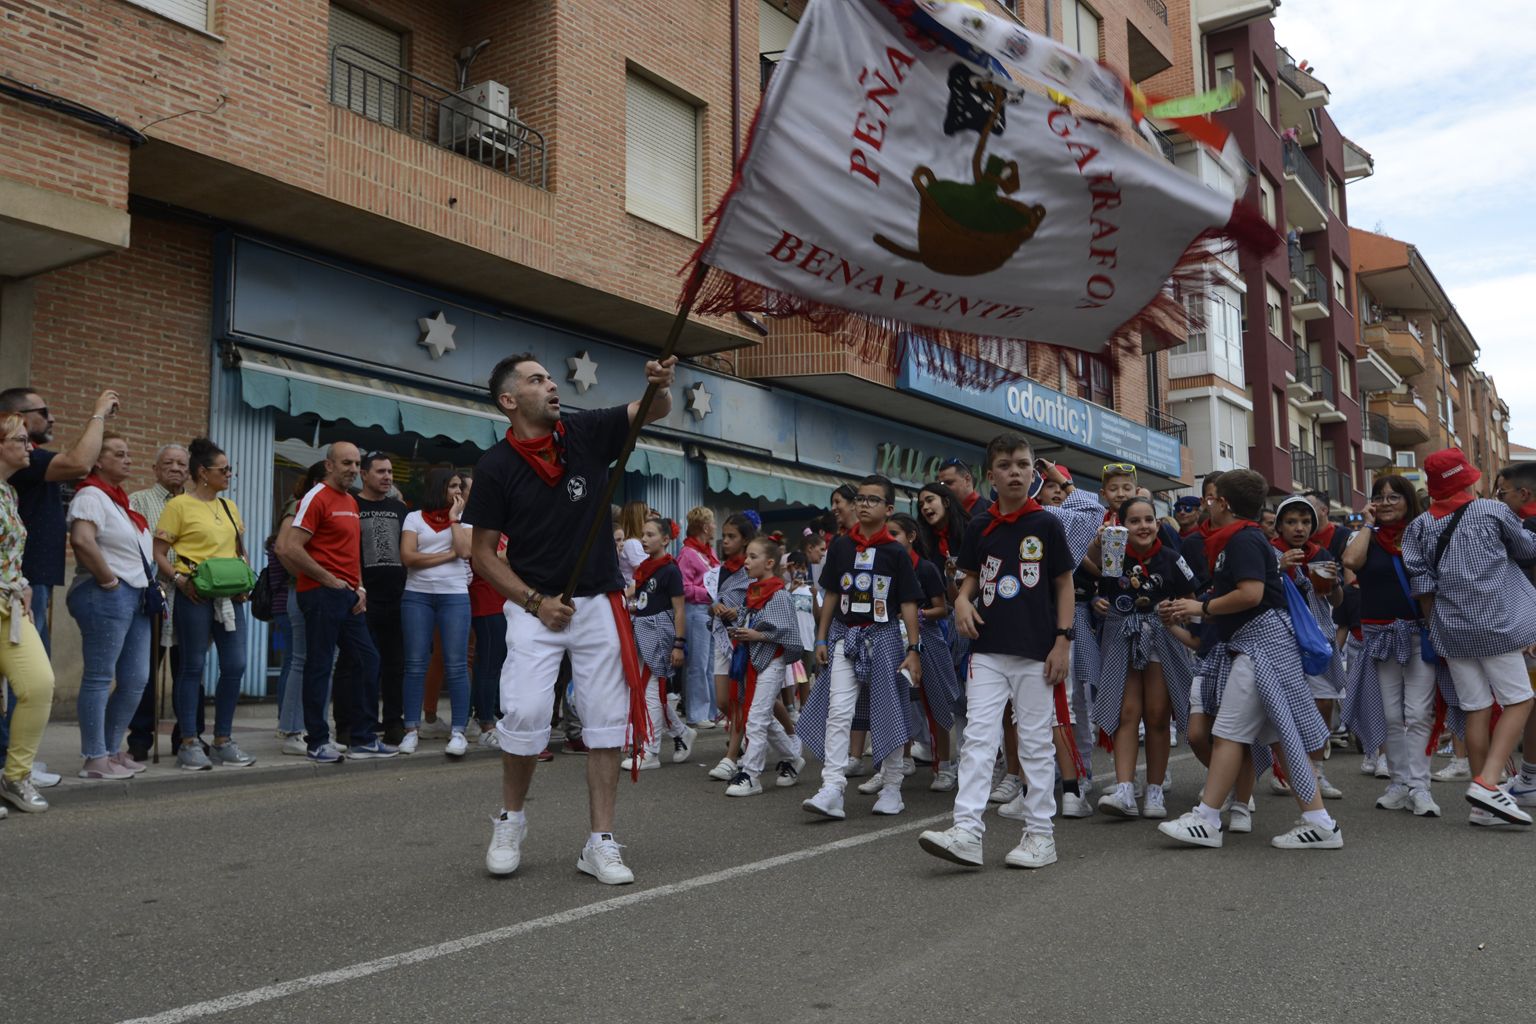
769	481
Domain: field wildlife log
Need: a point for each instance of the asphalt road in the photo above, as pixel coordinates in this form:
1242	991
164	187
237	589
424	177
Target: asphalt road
295	901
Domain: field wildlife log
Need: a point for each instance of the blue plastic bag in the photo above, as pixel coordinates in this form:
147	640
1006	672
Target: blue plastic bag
1316	648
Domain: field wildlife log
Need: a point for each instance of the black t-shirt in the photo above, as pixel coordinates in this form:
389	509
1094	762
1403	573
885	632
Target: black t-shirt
1248	556
931	581
42	509
1381	593
1338	542
1016	566
660	588
1166	575
1193	547
545	526
870	585
379	534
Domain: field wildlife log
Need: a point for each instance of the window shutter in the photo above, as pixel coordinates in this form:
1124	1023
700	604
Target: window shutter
188	12
774	28
366	78
662	157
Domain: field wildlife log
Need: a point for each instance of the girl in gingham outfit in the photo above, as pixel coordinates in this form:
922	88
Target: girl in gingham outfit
657	614
737	532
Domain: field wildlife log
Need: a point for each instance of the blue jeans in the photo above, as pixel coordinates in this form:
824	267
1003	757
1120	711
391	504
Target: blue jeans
114	641
420	615
195	627
290	715
699	681
328	625
490	653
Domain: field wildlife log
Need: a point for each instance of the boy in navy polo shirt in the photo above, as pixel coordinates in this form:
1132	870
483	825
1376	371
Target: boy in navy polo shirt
870	587
1018	583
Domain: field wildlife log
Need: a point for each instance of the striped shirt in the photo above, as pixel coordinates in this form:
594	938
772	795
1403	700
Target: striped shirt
1484	604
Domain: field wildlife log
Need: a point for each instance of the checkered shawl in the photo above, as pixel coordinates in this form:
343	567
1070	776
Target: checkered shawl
777	620
1270	644
1127	642
1484	604
1364	713
1080	516
941	689
1085	648
654	635
732	594
877	652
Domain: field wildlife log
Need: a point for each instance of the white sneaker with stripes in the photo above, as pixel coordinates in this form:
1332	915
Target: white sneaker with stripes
1191	828
1306	836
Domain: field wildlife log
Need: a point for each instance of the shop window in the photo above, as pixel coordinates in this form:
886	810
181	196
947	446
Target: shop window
365	77
1081	28
661	156
193	13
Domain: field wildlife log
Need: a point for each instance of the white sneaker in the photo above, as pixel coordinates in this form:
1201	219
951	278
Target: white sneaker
1395	798
1034	851
1120	802
855	769
407	742
682	746
922	753
1328	789
604	861
945	780
1074	805
1522	792
889	801
647	762
1483	818
1368	765
744	785
789	772
828	802
908	767
1383	769
1457	770
293	744
42	778
1013	809
872	785
1191	828
1423	805
489	740
953	844
1307	836
1153	806
434	730
506	850
1006	790
1277	787
458	745
472	731
1239	819
1496	801
724	771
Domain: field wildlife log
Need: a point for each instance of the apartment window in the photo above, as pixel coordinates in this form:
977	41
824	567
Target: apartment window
661	156
1261	98
1277	417
774	29
1267	200
1198	311
1407	459
1274	317
365	76
1441	405
1335	197
193	13
1340	285
1223	72
1081	28
1346	374
1096	379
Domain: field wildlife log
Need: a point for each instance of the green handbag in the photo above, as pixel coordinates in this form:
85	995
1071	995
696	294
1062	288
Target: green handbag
224	577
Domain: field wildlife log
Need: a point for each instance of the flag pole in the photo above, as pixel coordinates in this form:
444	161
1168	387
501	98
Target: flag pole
600	525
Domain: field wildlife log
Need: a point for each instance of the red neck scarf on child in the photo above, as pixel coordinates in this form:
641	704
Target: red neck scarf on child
439	519
648	568
545	454
1144	560
702	549
1309	551
732	565
861	542
1390	536
1442	507
1217	539
1527	510
118	497
1324	536
996	516
759	591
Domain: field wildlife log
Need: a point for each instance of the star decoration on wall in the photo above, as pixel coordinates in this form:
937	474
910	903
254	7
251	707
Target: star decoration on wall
582	371
698	401
436	334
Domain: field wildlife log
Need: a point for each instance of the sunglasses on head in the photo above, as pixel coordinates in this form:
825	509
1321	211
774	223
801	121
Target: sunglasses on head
1118	468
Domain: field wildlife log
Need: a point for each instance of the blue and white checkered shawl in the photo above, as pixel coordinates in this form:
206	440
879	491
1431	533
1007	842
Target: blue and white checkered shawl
1080	516
1484	604
732	594
941	689
1127	642
1364	712
876	652
1270	644
654	635
1085	649
777	621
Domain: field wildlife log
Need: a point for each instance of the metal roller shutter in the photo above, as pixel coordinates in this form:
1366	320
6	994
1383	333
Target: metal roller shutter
662	157
188	12
365	78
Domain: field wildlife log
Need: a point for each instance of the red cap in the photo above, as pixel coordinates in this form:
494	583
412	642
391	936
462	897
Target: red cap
1448	472
1064	471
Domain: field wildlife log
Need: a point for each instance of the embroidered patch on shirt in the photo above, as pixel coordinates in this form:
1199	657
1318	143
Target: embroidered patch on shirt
1029	574
1031	549
1008	587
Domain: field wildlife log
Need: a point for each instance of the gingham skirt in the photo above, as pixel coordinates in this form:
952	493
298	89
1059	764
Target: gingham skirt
1126	644
941	689
654	636
1270	644
1085	648
876	652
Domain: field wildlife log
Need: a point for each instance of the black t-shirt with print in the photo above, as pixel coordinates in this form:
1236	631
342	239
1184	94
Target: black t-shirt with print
1165	576
656	596
379	524
870	585
931	580
1016	566
545	525
1248	556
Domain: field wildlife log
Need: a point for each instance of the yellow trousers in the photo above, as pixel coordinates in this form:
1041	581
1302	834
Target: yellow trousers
26	667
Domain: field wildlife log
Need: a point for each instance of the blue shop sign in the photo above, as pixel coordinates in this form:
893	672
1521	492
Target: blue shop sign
1045	412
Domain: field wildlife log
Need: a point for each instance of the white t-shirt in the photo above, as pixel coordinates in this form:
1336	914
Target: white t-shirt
448	578
630	557
121	542
805	615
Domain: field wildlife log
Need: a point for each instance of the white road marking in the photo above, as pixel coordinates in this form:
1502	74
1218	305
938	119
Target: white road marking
423	954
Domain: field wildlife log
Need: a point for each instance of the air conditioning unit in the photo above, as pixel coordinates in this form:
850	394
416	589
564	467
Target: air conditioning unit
480	118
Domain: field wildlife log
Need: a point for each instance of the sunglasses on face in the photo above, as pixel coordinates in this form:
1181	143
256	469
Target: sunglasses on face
41	410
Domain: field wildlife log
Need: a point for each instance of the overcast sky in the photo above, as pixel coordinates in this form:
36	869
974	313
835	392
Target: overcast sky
1447	106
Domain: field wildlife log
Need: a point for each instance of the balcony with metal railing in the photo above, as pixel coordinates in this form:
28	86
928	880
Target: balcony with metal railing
1304	470
1306	197
1170	425
1160	9
438	116
1312	300
1335	483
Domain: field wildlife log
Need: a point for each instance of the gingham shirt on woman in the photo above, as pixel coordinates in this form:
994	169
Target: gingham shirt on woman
1484	604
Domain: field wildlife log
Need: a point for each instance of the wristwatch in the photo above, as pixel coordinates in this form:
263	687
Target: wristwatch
916	648
1064	632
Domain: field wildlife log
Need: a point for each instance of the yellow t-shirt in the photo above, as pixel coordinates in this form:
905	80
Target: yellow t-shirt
199	530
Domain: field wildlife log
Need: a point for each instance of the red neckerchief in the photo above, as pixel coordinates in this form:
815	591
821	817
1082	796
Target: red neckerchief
1324	536
1143	560
732	565
998	518
1309	551
860	542
759	591
438	519
1390	536
1217	539
943	538
1442	507
545	454
916	560
1527	511
1191	531
703	549
118	497
648	568
970	503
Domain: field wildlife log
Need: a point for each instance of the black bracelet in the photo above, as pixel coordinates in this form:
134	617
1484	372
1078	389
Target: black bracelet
681	644
1205	608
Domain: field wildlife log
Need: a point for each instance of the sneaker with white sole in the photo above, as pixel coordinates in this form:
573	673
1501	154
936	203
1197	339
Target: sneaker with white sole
1368	765
472	731
1522	792
23	795
789	772
409	741
1006	790
1277	787
827	803
293	744
1458	769
1120	802
489	740
647	762
945	780
743	784
1496	801
1486	820
1034	851
682	746
458	744
434	730
1423	805
889	801
1383	769
955	844
378	750
1307	836
1075	805
506	850
1395	798
604	861
192	759
1153	806
42	778
872	785
856	768
1239	819
1328	789
325	753
1014	809
1193	829
724	771
908	767
229	755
